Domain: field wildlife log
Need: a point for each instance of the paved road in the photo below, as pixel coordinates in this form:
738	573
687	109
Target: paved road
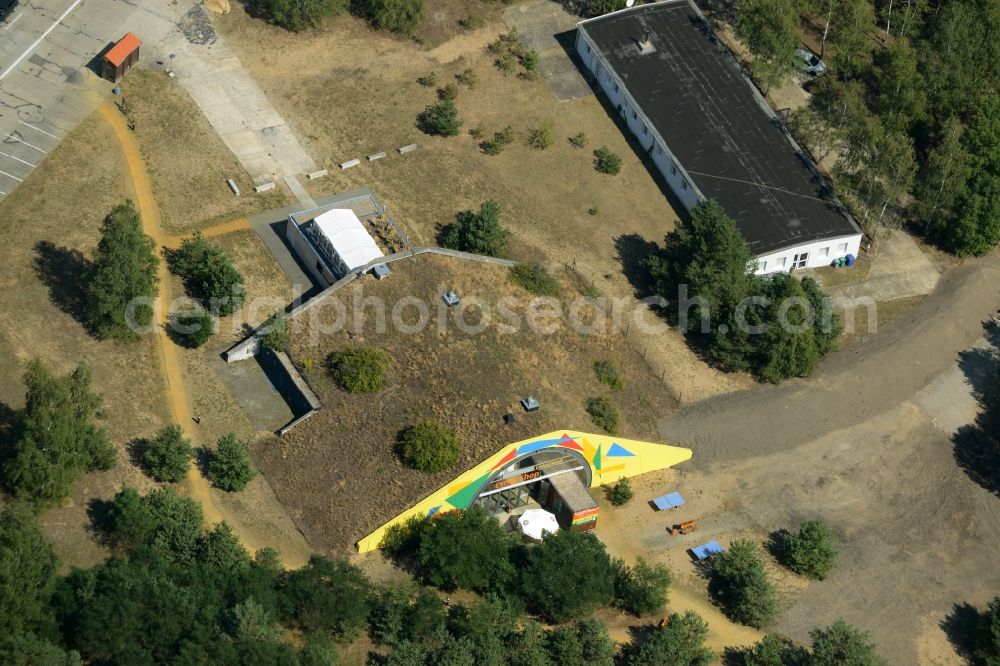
46	88
851	386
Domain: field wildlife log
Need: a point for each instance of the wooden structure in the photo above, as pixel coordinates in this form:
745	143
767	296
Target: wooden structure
122	57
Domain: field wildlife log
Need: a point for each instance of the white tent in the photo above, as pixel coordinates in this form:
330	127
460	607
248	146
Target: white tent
340	233
536	523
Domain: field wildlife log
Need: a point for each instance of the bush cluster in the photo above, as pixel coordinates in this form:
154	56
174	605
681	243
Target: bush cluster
192	328
620	493
399	16
440	119
603	414
609	374
810	552
739	584
429	446
208	274
534	278
359	370
500	140
607	161
541	137
479	233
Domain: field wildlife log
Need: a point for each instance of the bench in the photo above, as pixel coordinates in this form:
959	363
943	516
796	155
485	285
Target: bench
684	527
668	501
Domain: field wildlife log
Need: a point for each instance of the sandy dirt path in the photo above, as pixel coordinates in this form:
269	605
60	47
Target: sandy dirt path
170	362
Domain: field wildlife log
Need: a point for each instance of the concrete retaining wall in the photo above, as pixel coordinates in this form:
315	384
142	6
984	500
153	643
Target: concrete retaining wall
289	383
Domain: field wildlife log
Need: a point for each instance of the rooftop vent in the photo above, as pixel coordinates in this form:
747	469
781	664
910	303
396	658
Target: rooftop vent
530	403
646	45
450	298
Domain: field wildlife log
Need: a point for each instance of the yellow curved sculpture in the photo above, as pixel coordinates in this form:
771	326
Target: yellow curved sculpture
609	459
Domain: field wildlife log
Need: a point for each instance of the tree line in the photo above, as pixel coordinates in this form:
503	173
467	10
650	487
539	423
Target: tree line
399	16
909	106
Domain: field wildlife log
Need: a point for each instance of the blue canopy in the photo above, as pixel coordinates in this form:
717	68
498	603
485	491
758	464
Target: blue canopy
670	501
707	550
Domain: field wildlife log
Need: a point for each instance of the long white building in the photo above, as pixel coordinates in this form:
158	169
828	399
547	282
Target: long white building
712	135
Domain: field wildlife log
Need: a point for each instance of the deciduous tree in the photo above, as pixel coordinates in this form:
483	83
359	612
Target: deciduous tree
480	233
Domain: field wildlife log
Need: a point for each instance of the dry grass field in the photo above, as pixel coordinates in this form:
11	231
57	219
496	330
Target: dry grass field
362	96
49	228
187	161
337	473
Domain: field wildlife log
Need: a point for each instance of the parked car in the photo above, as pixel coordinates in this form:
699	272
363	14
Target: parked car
810	62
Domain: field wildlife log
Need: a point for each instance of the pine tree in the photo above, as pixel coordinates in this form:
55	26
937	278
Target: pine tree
123	280
231	468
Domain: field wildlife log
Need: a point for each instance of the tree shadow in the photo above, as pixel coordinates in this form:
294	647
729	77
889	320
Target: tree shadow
99	513
960	627
8	436
136	451
633	251
777	545
64	272
976	446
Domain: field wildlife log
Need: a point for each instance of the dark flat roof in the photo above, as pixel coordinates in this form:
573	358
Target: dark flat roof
692	90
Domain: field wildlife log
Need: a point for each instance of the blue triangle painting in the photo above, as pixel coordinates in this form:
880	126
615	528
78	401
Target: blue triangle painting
617	451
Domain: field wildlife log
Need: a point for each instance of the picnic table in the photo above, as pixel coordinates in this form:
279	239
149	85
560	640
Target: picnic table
707	550
668	501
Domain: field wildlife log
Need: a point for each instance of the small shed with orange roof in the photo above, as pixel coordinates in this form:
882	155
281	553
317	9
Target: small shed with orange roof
122	57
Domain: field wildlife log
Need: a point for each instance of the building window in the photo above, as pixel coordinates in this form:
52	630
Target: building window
780	262
645	130
824	252
616	87
800	260
634	115
588	48
761	265
842	248
673	169
684	184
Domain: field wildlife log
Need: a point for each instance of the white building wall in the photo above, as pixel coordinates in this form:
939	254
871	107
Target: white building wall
307	254
819	253
681	185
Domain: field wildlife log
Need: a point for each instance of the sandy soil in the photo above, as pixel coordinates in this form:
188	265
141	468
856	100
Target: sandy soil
370	80
336	472
867	448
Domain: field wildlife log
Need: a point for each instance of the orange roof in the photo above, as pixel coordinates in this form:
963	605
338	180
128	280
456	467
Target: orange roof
125	46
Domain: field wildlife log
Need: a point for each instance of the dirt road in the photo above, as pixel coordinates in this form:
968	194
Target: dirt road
868	445
171	367
851	386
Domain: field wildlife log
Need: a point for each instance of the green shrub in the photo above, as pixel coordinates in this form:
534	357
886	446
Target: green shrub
739	584
609	375
620	493
275	334
606	161
471	22
535	279
603	414
449	91
192	328
428	80
325	596
541	137
360	370
440	119
167	456
480	233
298	15
230	467
477	131
530	61
208	274
429	446
467	77
641	589
680	642
810	552
593	211
579	140
400	16
496	144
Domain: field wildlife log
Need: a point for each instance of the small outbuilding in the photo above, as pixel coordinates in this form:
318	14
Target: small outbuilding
344	240
122	57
